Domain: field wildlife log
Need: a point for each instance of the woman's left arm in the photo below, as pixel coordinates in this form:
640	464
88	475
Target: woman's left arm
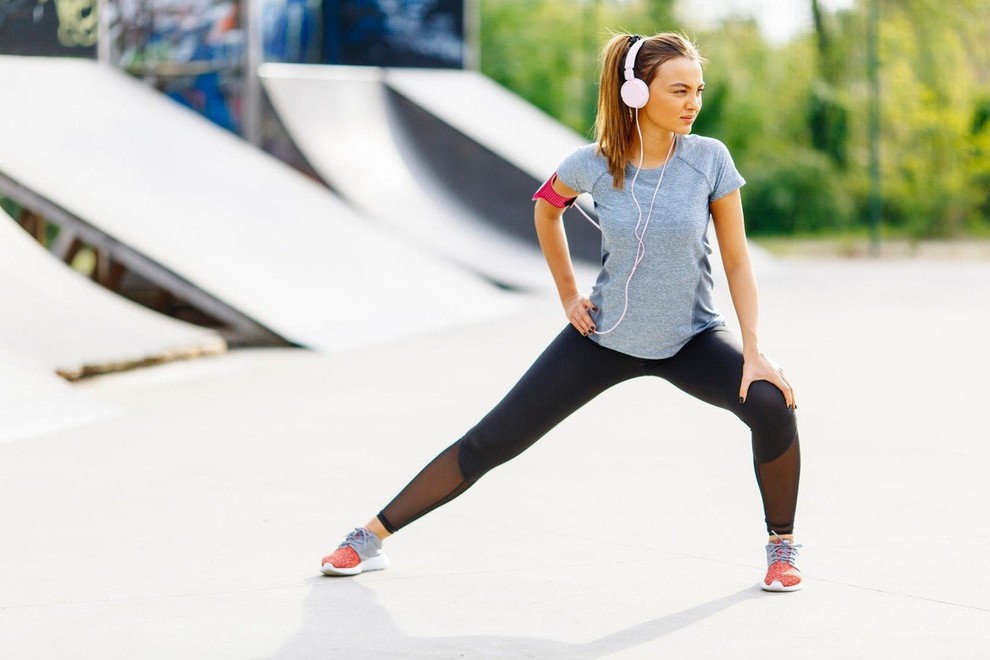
727	215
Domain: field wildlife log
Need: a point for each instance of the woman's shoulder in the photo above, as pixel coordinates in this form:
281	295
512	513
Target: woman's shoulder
710	158
705	154
583	168
586	154
702	146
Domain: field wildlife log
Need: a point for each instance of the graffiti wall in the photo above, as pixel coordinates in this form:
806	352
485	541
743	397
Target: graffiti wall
292	30
427	33
424	33
51	28
194	50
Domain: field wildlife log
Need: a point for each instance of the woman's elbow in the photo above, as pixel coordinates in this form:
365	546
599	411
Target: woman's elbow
736	261
545	213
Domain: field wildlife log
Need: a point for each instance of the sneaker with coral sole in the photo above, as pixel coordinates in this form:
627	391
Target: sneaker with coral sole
361	551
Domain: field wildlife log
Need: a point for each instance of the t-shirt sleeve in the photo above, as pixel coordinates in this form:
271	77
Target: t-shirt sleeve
576	171
725	176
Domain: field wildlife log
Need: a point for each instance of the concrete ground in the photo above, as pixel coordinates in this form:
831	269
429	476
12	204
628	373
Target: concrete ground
191	525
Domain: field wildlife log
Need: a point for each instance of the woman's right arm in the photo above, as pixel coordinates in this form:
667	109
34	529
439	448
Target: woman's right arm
553	241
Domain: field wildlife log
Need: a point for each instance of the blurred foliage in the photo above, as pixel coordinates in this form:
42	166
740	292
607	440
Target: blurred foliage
794	115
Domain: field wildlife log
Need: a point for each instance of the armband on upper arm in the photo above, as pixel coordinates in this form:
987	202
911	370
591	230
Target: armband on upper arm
547	192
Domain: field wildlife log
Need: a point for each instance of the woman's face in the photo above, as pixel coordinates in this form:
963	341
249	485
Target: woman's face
675	95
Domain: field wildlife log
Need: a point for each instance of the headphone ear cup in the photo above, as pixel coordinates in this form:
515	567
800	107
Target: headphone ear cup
635	93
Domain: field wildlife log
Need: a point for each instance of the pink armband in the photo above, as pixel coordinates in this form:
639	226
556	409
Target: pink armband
547	192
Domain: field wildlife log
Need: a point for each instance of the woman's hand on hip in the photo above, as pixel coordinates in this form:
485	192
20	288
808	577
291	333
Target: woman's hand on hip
577	309
763	368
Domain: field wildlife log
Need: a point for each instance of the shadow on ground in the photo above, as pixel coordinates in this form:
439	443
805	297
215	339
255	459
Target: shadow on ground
342	617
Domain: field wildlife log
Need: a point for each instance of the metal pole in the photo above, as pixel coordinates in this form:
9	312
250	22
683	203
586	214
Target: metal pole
103	46
873	65
253	57
472	35
590	78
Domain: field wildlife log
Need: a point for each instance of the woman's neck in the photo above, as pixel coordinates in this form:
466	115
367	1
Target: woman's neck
656	147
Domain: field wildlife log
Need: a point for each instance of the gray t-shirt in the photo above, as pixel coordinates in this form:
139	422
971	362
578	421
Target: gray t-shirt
670	295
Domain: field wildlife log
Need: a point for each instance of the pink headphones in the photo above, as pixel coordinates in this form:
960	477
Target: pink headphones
634	92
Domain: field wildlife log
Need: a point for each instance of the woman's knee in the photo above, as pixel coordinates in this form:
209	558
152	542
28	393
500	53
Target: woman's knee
774	425
484	447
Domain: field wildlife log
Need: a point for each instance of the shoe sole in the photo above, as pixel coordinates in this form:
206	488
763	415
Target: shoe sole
379	563
777	586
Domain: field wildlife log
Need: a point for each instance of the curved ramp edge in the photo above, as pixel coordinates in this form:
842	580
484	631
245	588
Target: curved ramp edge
345	122
76	327
480	108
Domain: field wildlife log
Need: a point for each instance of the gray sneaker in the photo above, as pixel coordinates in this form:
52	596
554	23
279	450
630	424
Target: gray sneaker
361	551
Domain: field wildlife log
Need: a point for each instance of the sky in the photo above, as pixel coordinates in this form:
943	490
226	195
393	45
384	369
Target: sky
779	19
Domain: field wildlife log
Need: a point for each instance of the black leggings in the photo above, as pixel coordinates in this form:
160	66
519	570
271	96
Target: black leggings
572	371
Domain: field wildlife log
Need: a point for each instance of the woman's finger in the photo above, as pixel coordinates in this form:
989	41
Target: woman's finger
785	388
744	389
581	324
578	313
792	401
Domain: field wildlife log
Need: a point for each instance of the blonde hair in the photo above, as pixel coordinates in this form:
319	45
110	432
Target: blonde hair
615	122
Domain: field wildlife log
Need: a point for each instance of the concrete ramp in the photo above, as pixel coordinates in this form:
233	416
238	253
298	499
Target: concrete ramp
74	327
442	179
34	401
484	111
198	211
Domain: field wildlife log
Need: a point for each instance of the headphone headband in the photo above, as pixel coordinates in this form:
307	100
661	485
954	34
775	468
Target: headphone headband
637	43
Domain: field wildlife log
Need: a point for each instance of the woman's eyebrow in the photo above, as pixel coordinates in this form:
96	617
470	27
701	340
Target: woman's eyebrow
684	85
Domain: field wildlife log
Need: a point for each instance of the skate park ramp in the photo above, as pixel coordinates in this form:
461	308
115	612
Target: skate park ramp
455	177
481	109
198	211
75	327
35	401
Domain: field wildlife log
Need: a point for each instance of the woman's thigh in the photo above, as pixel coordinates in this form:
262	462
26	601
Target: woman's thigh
709	367
570	372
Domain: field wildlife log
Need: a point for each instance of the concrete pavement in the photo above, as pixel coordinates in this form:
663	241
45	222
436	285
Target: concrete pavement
191	524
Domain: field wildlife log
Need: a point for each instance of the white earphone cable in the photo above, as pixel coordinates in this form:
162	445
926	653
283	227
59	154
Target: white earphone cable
640	246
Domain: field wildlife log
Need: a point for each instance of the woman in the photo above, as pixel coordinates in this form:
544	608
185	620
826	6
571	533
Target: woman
651	310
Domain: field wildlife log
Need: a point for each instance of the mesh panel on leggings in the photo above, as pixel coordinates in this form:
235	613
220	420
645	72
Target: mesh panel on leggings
778	480
436	484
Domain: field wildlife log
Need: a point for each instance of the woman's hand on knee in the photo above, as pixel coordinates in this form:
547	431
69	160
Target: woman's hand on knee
763	368
577	309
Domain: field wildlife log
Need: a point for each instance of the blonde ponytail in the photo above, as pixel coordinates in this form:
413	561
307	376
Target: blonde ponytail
615	122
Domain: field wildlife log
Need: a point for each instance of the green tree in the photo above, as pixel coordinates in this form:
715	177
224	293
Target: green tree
930	94
548	51
794	115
